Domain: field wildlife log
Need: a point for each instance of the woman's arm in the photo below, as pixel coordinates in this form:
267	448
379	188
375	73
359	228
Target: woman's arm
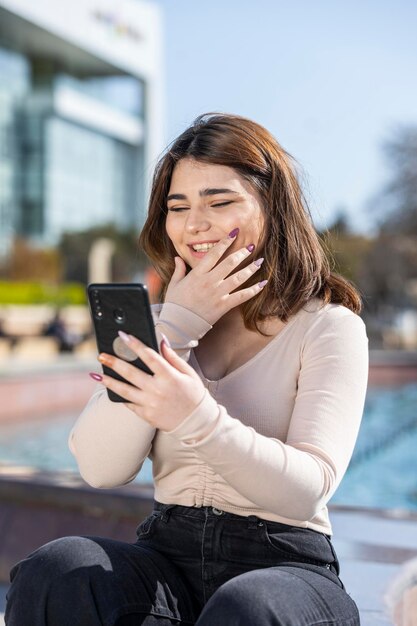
109	442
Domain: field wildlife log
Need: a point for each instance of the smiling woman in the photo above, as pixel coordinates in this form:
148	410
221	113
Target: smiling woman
249	414
247	160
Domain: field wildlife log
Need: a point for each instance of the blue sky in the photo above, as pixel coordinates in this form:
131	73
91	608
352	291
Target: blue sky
331	80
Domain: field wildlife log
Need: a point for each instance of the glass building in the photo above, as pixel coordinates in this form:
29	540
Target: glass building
80	116
14	83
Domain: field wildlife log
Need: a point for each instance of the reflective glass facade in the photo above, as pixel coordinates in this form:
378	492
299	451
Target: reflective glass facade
89	178
71	150
14	85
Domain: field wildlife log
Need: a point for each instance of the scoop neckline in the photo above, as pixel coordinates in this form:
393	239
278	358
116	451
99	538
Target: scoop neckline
249	362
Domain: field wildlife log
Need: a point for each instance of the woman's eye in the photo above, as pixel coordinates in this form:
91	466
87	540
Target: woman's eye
177	209
222	203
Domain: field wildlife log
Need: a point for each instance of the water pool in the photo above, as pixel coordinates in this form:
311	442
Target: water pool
43	445
383	471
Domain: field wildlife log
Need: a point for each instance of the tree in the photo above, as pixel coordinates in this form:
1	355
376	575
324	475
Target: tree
398	200
29	263
345	250
127	260
386	272
390	267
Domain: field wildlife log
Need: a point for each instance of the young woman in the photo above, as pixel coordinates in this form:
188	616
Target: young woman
250	416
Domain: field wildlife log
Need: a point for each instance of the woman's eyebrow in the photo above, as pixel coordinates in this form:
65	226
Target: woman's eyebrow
211	191
176	196
214	191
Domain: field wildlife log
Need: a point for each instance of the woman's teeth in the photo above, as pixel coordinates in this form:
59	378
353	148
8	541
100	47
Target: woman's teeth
203	247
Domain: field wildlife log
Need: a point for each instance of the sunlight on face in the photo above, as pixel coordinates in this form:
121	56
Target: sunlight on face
205	203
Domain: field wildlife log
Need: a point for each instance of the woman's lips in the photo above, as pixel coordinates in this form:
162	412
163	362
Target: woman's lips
199	254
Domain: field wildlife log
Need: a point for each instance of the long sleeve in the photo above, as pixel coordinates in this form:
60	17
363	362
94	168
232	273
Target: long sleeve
109	441
182	327
293	479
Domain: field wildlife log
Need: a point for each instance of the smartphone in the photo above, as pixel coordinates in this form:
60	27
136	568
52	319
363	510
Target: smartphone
125	307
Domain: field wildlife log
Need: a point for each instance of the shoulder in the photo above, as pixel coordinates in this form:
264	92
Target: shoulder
319	320
316	312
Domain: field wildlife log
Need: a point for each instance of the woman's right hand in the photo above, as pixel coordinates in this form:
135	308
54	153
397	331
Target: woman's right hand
209	289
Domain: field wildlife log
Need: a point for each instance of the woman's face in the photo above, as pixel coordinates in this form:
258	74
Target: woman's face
205	203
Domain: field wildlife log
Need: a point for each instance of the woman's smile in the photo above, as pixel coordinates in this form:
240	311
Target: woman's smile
200	248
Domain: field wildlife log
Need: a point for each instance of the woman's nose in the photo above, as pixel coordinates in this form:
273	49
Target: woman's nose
196	222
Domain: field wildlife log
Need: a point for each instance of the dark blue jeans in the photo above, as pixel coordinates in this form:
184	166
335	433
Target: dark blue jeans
189	566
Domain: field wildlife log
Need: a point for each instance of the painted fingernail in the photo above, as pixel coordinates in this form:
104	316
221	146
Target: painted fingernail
250	247
124	337
259	262
103	358
262	283
233	233
95	376
165	340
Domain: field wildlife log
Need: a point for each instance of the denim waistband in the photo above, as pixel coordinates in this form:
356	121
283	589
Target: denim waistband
199	512
204	512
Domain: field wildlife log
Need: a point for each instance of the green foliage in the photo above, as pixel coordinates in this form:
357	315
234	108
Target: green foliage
41	293
345	250
127	259
347	253
397	202
30	263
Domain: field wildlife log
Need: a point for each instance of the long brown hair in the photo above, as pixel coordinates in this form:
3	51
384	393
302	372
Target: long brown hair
295	264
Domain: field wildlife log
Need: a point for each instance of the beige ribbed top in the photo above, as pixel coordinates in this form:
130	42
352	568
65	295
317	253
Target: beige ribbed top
273	438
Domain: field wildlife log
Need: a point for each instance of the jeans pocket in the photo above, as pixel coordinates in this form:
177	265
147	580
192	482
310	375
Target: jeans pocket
300	545
145	528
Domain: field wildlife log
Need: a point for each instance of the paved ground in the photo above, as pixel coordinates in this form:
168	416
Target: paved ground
372	547
3	590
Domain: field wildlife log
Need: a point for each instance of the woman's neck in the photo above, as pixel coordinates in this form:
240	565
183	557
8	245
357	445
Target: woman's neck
232	323
229	344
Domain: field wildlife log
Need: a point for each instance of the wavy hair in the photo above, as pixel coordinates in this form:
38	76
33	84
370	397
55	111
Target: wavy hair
295	265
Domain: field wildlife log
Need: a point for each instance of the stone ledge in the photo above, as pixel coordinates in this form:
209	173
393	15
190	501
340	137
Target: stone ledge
37	507
397	358
65	490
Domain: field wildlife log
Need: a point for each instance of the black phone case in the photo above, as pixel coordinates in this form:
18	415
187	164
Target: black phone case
125	307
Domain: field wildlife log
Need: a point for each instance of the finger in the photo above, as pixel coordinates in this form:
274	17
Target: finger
239	278
231	262
243	295
179	271
173	359
215	253
130	372
124	390
155	362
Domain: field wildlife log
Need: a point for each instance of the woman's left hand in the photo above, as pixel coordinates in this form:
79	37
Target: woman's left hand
165	399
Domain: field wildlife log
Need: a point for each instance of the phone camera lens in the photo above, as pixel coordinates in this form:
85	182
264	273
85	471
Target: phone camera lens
119	315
